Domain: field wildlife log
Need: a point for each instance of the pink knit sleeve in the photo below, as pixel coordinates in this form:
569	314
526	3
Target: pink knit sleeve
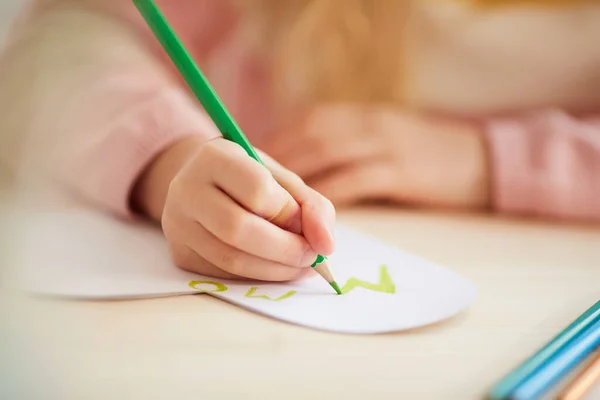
91	100
547	164
122	123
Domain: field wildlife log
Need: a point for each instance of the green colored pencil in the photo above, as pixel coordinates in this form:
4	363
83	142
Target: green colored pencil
208	97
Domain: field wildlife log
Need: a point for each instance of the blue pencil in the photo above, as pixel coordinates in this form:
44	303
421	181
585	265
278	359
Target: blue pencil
504	389
561	364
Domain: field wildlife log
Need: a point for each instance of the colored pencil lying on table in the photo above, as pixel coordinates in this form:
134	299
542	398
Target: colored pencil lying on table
557	367
584	381
208	98
507	386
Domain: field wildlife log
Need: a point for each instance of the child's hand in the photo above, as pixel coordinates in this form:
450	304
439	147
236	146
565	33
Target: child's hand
225	215
352	154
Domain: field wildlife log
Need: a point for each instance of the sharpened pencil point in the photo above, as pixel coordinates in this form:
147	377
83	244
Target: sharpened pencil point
335	287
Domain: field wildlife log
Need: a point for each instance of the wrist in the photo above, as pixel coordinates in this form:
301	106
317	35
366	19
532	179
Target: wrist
150	191
473	167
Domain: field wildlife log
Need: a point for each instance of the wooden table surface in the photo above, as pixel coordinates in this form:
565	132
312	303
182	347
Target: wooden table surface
532	278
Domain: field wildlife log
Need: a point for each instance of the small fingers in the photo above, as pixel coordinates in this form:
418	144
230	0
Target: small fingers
210	256
250	233
239	201
252	185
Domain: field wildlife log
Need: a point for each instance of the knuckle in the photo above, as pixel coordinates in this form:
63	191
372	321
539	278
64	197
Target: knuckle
231	262
261	186
258	176
233	230
175	187
221	148
216	152
206	154
184	198
296	180
211	148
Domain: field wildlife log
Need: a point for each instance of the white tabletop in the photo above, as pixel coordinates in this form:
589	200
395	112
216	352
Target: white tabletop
532	278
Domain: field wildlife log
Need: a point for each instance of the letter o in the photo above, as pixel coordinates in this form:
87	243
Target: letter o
219	287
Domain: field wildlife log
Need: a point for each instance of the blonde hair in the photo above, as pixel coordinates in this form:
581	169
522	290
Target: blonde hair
343	50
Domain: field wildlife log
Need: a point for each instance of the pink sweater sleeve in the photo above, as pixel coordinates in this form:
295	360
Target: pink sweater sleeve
103	102
130	123
547	164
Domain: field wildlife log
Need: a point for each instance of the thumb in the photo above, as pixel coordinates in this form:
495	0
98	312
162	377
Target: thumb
306	211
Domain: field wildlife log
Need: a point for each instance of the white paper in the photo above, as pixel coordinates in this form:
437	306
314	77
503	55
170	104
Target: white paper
89	256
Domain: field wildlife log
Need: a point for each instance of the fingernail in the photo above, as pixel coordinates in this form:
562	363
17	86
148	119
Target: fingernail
331	224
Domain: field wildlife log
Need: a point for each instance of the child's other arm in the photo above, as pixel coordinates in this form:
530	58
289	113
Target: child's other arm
546	164
85	103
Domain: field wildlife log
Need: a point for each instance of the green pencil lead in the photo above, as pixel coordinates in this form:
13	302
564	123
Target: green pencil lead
336	287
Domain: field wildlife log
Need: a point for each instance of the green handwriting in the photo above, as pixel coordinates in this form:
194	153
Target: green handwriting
385	285
219	287
264	296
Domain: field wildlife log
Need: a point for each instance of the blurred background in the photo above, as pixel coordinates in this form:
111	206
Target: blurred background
14	379
29	369
8	8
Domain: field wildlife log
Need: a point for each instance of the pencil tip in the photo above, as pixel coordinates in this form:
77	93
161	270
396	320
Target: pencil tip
335	287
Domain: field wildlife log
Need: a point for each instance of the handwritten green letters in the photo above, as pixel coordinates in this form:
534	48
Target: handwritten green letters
264	296
201	286
385	285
